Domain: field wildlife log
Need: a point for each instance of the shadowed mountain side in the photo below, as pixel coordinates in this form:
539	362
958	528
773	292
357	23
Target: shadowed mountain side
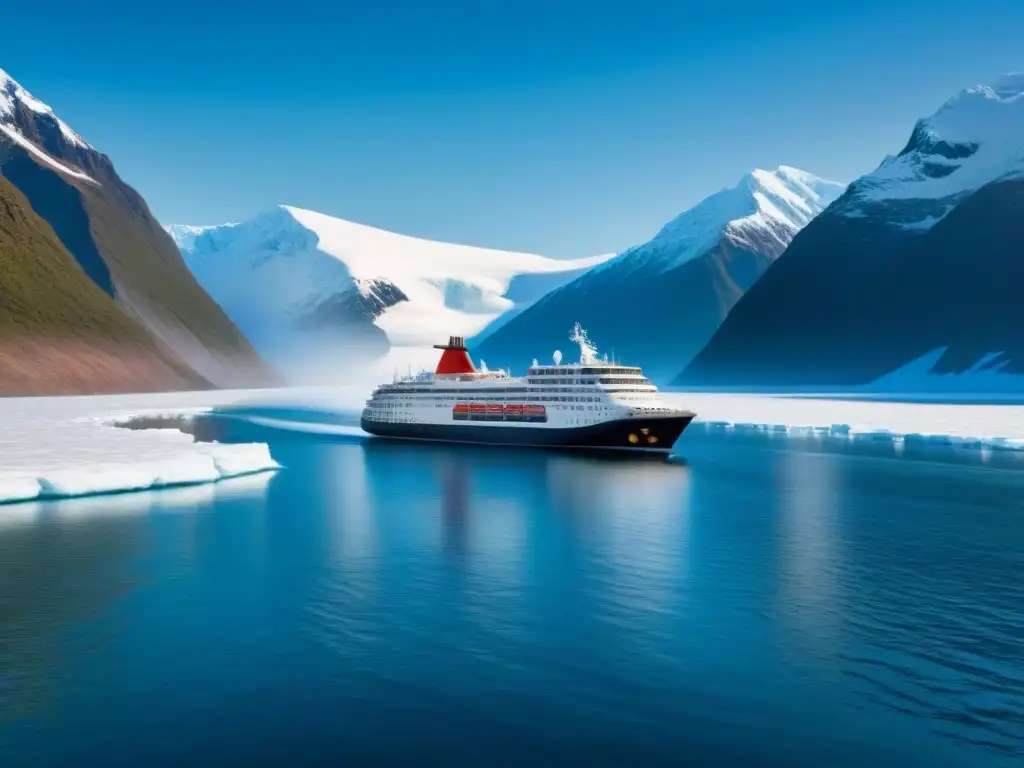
632	310
974	259
59	332
658	303
108	228
113	237
525	291
854	298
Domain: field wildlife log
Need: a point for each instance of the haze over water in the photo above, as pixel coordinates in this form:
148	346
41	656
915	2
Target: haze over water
771	601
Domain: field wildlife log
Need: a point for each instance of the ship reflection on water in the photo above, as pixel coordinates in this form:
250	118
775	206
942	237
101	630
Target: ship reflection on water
455	498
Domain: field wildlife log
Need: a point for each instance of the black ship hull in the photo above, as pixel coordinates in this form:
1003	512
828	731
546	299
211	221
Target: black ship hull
635	434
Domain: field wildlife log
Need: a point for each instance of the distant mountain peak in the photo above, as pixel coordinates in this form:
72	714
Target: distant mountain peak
1005	88
659	302
983	113
33	126
773	203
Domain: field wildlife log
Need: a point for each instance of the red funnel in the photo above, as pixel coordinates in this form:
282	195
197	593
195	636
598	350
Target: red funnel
455	358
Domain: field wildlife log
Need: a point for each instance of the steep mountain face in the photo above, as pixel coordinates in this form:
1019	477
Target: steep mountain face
661	301
923	254
316	294
59	332
108	229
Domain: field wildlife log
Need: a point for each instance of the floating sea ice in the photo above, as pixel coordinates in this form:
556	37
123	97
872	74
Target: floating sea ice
67	447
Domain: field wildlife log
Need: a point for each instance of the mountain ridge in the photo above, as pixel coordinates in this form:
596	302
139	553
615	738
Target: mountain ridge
918	255
109	230
663	299
59	332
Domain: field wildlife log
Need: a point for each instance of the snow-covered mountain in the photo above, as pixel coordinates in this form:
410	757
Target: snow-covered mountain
922	254
24	120
660	302
314	293
975	138
73	195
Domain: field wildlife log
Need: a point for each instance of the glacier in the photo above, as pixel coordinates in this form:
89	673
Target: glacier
308	289
184	235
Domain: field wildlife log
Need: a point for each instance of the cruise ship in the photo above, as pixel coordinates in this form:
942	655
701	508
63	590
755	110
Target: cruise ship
589	404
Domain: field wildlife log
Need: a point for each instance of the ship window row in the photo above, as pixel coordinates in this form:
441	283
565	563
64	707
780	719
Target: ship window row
581	387
440	390
485	394
624	381
602	380
536	396
586	371
557	382
448	400
536	382
474	399
549	382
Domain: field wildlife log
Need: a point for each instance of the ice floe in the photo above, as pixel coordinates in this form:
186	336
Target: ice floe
72	446
966	425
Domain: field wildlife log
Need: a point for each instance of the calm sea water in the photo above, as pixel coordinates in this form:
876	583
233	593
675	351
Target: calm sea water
770	601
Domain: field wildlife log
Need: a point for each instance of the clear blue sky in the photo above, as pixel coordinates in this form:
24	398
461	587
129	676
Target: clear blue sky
567	128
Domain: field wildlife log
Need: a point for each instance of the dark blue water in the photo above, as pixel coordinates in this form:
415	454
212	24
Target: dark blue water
769	602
